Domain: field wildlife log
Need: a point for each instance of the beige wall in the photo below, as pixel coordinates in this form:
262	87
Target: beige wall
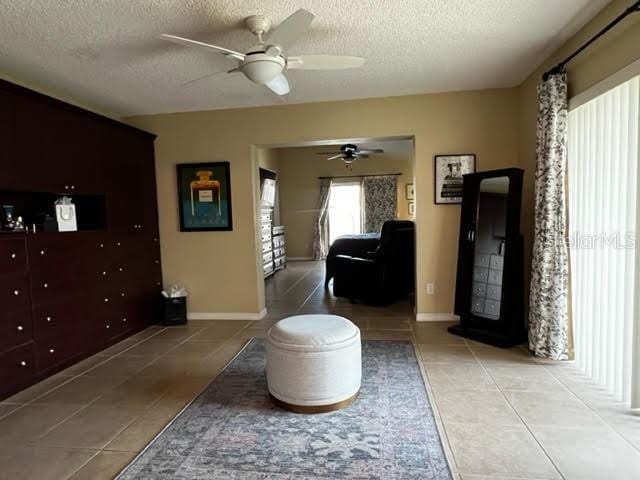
268	158
498	125
221	268
299	187
620	47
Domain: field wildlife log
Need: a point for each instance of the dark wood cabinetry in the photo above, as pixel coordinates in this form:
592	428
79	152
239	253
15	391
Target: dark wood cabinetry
65	296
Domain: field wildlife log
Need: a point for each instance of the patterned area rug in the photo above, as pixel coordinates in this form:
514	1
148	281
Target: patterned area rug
233	431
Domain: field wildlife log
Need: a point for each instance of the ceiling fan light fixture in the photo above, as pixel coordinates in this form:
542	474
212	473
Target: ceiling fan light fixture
279	85
262	68
265	62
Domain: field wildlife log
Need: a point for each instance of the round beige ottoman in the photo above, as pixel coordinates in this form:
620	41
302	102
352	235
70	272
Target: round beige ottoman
314	363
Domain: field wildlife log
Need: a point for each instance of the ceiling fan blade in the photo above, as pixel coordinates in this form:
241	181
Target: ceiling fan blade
367	151
323	62
186	42
292	28
361	155
234	70
279	85
328	153
335	157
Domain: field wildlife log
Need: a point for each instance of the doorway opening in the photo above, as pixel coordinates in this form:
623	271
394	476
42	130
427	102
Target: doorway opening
325	202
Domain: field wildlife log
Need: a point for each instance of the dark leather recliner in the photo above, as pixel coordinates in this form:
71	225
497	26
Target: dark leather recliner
387	275
361	245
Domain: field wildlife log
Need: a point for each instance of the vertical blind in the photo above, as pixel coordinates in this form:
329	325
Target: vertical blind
602	166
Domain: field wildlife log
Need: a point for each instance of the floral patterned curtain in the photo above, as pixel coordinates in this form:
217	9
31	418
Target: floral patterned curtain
549	296
321	226
380	201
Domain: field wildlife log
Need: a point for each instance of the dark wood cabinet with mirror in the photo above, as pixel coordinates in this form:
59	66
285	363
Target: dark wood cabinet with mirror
67	295
489	288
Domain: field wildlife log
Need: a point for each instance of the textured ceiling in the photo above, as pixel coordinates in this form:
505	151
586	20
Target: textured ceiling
106	54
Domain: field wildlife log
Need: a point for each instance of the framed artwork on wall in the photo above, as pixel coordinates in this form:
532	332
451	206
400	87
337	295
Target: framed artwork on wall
412	208
204	197
448	172
409	191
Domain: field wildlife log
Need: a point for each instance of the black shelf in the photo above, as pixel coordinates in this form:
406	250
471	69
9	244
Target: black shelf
34	207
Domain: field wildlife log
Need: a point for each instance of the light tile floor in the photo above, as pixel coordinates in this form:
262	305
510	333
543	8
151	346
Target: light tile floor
504	414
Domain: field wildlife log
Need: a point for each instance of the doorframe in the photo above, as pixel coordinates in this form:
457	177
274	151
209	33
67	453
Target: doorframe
255	179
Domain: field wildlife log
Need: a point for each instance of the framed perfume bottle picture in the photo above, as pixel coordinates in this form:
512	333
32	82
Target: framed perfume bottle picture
204	197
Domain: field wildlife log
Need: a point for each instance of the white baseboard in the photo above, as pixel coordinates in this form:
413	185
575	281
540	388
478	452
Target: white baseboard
299	259
226	316
437	317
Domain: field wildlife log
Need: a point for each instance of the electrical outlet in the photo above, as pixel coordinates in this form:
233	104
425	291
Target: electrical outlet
429	288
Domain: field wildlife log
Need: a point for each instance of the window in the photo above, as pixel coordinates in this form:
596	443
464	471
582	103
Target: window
345	209
602	174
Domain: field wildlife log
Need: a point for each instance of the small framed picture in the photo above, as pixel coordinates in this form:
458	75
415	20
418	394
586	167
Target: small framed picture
409	191
448	172
412	208
204	197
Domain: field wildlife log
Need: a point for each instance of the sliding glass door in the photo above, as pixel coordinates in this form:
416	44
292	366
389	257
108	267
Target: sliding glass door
603	207
345	209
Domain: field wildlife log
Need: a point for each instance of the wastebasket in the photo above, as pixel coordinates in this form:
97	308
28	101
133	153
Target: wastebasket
175	311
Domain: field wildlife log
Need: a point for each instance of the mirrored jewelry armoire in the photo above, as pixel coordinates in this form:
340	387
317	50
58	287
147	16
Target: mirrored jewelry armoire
490	279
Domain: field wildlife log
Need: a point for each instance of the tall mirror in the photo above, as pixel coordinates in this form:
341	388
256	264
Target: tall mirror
488	237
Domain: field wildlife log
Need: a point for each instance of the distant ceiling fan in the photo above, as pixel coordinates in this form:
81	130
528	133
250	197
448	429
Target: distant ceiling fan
349	152
266	62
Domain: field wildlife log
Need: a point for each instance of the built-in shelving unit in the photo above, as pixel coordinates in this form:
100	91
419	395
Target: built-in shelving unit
37	209
67	295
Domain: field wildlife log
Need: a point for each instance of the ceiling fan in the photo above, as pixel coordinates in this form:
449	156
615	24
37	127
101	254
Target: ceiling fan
266	62
349	152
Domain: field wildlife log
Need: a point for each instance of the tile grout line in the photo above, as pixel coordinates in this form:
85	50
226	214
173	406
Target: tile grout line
493	380
294	284
139	454
304	302
526	426
611	427
290	287
98	450
76	412
145	410
75	376
440	424
102	360
83	465
92	402
227	342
